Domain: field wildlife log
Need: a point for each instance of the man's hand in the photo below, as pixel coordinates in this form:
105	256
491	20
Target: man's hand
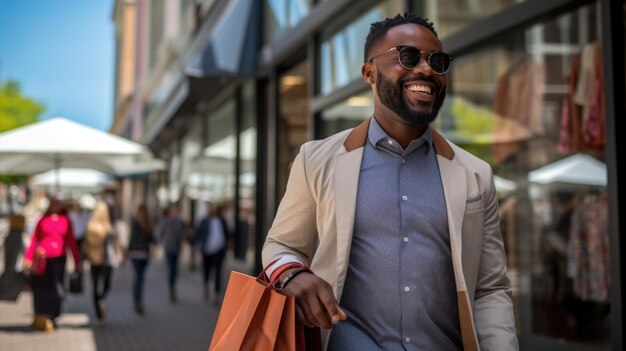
316	305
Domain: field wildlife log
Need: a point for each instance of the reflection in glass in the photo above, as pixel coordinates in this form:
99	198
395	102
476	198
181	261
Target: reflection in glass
212	179
451	16
281	15
244	239
346	114
532	106
293	121
342	51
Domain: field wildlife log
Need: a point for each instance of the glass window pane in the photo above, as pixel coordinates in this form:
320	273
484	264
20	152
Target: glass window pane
342	50
346	114
244	239
293	122
213	174
281	15
532	105
451	16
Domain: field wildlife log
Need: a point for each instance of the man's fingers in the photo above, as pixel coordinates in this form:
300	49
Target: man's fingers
332	308
319	312
302	317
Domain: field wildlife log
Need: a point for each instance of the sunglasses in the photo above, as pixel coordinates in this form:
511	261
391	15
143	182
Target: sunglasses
409	57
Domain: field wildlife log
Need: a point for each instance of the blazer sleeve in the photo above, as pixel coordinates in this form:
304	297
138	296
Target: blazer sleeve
293	233
493	307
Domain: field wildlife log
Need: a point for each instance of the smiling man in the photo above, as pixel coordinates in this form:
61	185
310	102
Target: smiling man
398	225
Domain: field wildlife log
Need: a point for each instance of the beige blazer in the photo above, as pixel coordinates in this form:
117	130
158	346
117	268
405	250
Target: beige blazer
315	220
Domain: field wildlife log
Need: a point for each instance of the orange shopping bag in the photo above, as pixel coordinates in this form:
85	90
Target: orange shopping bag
256	317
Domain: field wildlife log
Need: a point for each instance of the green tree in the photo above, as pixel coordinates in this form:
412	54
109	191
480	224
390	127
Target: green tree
16	109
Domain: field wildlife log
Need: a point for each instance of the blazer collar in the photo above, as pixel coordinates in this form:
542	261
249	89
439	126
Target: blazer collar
358	136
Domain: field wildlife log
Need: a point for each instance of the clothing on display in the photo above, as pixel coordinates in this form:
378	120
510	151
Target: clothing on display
518	98
588	249
583	116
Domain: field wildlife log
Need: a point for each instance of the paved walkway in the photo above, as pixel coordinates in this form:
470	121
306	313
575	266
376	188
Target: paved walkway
186	325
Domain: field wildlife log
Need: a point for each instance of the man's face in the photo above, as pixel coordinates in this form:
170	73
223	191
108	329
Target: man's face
415	95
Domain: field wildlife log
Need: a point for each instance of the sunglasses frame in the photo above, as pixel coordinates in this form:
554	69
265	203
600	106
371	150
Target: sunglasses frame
430	53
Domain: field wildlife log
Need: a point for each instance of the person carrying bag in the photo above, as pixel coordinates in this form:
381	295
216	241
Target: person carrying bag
103	253
256	315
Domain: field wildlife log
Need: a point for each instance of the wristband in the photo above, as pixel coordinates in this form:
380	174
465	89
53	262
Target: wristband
280	270
293	274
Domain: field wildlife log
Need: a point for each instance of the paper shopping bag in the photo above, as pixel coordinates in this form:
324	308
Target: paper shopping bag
256	317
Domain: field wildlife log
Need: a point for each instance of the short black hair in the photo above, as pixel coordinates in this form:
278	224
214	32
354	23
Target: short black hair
379	29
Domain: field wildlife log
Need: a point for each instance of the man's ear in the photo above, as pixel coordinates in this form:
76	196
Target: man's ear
368	73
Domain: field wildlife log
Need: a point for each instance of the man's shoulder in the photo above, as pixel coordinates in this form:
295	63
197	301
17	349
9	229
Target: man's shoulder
331	143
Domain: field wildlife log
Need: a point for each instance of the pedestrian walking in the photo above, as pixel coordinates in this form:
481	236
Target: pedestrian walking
171	234
44	262
400	226
141	239
79	216
103	252
210	239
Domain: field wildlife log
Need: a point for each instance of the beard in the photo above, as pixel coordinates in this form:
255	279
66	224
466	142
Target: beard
391	95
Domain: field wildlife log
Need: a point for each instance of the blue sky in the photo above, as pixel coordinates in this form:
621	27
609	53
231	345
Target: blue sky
62	54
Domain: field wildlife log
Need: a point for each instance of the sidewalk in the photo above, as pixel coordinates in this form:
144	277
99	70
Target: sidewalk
186	325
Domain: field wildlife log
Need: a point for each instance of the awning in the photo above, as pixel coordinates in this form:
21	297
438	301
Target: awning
578	169
232	47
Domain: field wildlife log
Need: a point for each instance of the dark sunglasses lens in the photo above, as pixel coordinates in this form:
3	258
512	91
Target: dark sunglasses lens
409	57
439	62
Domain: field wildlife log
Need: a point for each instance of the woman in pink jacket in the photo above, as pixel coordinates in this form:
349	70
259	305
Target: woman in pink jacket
44	260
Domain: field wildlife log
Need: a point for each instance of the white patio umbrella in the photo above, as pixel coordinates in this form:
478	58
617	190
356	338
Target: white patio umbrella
576	169
58	142
73	178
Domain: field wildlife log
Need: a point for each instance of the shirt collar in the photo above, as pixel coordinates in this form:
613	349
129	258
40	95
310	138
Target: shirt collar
376	135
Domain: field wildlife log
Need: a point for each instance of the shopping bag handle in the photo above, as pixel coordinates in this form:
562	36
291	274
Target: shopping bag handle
263	276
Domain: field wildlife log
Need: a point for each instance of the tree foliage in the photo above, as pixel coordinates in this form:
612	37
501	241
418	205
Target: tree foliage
16	109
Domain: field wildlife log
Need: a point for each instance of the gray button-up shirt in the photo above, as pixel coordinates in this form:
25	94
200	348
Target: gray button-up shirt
399	292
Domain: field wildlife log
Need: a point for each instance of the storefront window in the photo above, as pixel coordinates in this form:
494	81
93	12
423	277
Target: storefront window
450	16
244	240
213	174
532	105
293	121
281	15
346	114
341	52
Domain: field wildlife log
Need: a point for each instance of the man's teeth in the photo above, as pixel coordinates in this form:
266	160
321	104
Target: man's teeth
420	88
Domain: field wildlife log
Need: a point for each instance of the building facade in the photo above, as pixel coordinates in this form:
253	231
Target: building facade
226	91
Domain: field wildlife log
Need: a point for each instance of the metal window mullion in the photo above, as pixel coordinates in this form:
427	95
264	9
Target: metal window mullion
614	87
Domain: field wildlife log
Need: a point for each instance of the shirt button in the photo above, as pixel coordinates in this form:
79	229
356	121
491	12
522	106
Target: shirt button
407	339
390	142
404	197
403	160
406	239
407	289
